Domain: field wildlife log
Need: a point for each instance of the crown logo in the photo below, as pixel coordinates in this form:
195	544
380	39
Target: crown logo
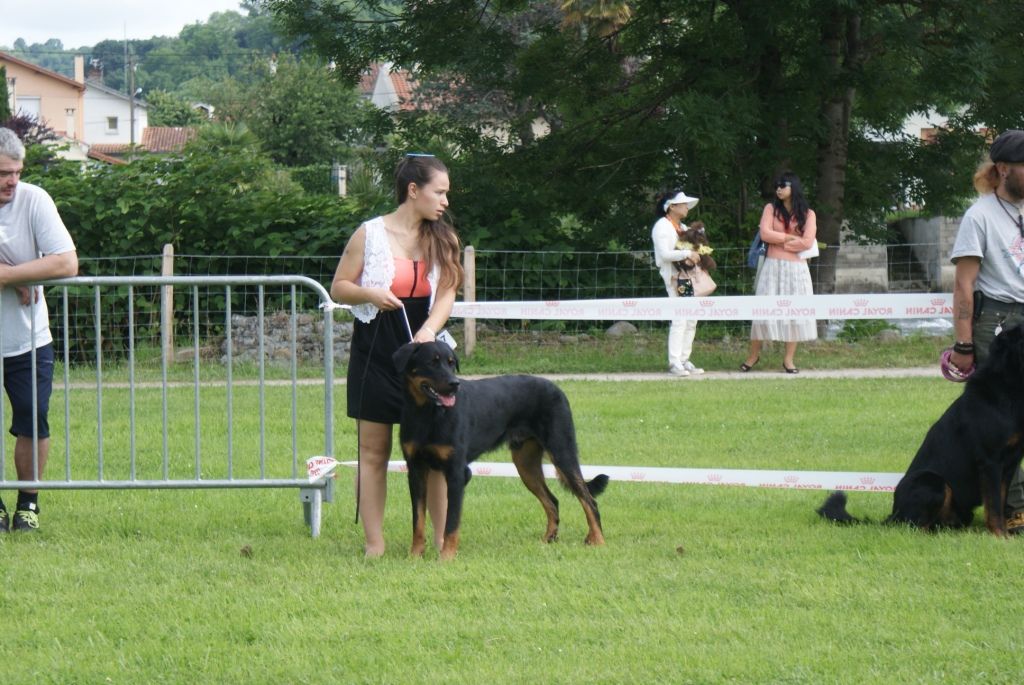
714	477
483	470
938	301
791	479
552	303
861	302
783	303
707	303
637	475
629	303
867	480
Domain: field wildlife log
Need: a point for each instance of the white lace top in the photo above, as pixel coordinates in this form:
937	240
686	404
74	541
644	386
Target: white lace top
379	268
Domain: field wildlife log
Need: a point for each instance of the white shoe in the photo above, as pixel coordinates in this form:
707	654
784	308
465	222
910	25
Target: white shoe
688	365
678	371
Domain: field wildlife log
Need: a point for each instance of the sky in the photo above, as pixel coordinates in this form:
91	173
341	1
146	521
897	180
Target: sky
78	23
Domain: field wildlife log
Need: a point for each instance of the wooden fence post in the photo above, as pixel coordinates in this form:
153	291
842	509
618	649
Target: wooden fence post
469	295
167	304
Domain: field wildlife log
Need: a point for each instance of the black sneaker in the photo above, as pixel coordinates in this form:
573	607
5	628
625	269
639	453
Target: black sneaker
5	521
26	520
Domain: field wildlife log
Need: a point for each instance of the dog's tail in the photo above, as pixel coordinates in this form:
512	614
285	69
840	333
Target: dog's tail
597	485
834	509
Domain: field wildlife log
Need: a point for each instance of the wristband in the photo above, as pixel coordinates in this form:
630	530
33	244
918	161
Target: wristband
963	347
428	329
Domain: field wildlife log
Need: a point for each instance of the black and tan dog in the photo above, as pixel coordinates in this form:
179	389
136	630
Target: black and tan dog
447	423
969	455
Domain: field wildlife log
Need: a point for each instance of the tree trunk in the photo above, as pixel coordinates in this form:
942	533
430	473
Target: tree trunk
841	41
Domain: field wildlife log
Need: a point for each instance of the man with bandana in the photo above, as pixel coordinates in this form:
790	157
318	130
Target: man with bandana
988	291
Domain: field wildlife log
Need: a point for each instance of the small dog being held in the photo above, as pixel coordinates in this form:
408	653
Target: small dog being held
447	423
969	455
695	239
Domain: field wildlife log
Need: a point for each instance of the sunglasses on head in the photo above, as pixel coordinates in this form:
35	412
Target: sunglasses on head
783	184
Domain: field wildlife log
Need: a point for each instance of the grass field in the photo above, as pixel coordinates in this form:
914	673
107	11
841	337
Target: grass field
697	584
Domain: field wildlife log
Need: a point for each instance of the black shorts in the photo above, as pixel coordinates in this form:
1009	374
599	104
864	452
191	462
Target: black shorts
18	384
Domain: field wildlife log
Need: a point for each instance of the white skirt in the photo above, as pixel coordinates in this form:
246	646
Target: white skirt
784	277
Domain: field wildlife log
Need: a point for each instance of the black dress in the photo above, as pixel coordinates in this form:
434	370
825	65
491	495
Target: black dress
374	384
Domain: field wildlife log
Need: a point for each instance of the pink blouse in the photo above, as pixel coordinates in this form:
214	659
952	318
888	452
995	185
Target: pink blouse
774	231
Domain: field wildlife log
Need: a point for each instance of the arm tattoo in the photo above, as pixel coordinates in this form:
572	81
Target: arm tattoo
964	312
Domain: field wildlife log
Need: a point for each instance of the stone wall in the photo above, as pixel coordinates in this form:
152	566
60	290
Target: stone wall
932	241
277	339
861	268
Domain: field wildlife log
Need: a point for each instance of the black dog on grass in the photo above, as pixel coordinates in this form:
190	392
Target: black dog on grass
447	423
969	455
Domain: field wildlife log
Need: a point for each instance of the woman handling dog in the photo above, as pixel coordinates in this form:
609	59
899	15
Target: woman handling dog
788	227
671	208
988	289
400	272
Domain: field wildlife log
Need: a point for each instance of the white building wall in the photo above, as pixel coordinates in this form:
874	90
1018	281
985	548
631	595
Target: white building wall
107	118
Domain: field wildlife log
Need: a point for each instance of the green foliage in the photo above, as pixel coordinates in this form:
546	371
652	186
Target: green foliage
221	196
303	114
859	330
49	55
5	96
169	109
715	100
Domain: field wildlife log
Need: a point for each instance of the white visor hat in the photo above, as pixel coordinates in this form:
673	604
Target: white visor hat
678	199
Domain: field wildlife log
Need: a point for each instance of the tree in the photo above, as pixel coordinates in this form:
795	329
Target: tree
303	114
168	109
5	96
718	97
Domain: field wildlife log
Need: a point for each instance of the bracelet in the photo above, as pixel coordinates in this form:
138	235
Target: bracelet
963	347
428	329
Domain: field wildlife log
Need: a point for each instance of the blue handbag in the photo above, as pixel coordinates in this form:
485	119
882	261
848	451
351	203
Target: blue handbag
758	248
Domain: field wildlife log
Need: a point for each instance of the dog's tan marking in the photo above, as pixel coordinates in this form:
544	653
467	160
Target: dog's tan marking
442	452
528	459
579	488
450	547
418	529
415	391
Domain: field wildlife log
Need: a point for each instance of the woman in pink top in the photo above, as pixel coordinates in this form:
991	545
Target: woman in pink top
788	227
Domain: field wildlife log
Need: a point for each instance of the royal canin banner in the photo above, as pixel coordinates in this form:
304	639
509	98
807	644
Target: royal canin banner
783	480
738	308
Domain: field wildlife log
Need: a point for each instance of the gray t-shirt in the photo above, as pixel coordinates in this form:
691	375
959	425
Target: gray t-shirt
30	228
989	232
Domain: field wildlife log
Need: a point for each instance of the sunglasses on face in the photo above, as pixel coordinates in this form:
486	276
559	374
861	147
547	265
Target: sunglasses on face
783	184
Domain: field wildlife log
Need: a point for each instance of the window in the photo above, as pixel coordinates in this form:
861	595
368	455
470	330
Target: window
111	124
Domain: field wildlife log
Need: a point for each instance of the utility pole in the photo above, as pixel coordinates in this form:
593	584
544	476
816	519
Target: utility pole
131	104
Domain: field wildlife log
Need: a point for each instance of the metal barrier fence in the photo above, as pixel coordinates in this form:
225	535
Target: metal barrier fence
128	428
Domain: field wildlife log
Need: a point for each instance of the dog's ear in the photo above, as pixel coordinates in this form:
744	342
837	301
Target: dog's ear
456	358
402	356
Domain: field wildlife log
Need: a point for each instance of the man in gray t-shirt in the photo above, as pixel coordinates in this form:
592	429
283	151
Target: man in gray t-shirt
34	246
988	292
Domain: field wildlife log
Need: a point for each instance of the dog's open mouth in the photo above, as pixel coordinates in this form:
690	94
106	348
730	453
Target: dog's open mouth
439	399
